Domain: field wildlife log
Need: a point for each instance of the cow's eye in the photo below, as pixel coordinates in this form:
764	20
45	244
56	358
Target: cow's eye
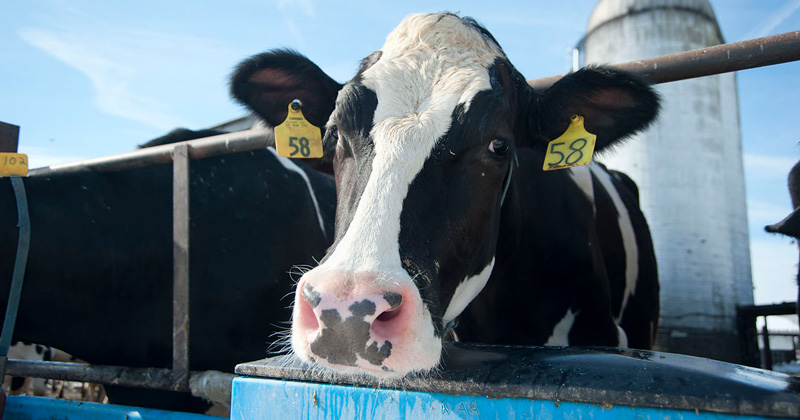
498	146
334	132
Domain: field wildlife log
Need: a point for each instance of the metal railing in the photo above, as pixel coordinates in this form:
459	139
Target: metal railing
749	336
696	63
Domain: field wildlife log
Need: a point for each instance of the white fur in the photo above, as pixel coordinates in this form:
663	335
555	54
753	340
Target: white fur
288	164
560	334
622	338
466	292
429	65
582	176
628	237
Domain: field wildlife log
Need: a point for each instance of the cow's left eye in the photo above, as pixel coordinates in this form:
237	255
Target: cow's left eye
498	146
334	133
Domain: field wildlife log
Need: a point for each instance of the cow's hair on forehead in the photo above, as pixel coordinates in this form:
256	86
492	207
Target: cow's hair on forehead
444	32
429	64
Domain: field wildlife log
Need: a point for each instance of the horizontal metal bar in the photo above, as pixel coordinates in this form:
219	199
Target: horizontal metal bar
210	385
759	52
781	334
210	146
107	375
723	58
786	308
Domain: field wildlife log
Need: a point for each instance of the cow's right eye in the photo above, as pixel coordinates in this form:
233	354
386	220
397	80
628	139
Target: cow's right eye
498	146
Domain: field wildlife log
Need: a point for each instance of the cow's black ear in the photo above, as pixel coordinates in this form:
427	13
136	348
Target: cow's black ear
268	82
790	226
614	104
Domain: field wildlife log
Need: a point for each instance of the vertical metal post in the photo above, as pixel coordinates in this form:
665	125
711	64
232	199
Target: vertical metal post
180	238
9	137
767	349
748	336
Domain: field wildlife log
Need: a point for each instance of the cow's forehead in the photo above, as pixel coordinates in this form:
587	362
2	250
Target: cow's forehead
429	65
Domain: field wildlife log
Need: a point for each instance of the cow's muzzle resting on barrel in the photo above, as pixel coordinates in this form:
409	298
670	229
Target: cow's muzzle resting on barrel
430	141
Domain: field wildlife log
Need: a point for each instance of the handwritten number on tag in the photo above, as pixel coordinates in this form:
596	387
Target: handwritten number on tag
576	146
13	160
304	149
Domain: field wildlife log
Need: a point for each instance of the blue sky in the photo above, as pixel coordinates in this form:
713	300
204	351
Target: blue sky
90	78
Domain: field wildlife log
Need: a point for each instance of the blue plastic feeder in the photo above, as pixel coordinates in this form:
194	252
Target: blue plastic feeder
490	382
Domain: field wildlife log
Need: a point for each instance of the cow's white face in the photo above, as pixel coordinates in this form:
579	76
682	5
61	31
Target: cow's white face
430	66
422	141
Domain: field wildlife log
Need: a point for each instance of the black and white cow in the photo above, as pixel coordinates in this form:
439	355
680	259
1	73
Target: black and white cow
443	208
100	261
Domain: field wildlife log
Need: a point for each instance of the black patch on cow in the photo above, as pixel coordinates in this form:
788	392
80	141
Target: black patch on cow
78	270
17	383
366	63
268	82
354	154
444	236
394	299
340	342
311	296
376	355
363	308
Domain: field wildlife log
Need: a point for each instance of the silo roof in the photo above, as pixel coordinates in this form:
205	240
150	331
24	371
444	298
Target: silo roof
608	10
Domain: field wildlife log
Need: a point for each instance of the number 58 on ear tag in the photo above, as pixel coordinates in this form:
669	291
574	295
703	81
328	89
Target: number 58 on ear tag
573	148
295	137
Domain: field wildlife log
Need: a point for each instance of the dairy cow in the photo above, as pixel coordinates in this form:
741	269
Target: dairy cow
100	261
444	212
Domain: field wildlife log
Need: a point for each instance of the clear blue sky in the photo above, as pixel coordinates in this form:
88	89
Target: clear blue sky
92	78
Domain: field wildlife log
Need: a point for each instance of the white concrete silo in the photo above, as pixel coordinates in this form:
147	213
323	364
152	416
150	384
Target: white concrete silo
689	170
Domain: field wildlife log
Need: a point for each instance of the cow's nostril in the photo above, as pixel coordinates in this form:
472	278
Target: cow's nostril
306	317
388	315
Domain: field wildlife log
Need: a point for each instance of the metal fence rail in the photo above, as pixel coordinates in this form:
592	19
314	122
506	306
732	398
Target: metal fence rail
748	333
697	63
724	58
240	141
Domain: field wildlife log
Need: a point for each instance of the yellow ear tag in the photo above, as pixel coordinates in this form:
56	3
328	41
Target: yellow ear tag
13	164
295	137
573	148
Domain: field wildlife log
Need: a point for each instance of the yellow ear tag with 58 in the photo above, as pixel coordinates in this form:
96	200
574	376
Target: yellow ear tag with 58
573	148
295	137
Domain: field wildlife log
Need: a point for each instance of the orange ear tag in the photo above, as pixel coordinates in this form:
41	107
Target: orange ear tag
573	148
295	137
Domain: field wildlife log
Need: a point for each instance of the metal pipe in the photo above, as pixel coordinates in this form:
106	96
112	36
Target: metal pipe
211	385
163	379
724	58
785	308
180	263
201	148
767	349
